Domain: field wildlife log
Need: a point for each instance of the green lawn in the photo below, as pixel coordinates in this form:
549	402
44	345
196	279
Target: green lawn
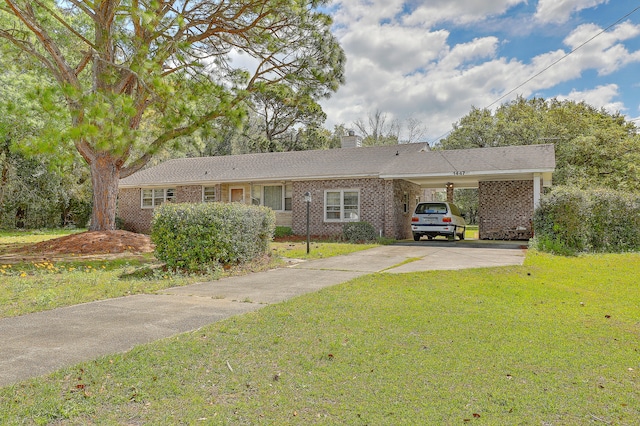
317	250
38	285
554	342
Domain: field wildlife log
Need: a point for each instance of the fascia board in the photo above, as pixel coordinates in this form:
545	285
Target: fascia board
465	173
235	181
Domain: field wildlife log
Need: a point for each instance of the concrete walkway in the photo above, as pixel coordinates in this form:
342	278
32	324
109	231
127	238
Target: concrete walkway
36	344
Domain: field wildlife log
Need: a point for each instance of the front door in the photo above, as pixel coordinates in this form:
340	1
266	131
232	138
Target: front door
237	195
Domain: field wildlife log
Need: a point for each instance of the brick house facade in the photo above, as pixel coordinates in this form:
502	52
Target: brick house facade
380	205
379	200
505	210
379	185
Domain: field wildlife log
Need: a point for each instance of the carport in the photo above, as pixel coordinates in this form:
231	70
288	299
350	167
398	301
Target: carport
510	181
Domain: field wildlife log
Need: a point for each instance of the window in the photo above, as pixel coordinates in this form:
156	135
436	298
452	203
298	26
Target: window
154	197
273	197
209	194
405	202
288	195
342	205
256	195
277	197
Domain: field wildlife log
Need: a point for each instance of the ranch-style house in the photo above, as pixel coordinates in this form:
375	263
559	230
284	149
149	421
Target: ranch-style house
380	185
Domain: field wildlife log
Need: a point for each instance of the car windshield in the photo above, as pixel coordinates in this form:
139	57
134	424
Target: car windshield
437	208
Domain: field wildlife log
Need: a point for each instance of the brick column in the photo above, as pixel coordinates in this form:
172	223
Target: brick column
450	192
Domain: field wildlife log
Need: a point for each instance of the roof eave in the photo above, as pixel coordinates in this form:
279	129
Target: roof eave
454	174
245	180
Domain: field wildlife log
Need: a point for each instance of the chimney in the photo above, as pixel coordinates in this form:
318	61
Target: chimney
351	140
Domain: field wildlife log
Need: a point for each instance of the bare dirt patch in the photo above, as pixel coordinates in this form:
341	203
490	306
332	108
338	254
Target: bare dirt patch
91	244
94	242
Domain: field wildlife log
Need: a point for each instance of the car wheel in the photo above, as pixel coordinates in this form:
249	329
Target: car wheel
416	237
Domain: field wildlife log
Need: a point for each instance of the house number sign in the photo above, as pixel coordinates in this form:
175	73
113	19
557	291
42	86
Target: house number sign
457	173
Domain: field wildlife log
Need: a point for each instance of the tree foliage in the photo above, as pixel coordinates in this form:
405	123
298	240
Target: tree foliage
377	130
135	75
36	190
571	220
594	148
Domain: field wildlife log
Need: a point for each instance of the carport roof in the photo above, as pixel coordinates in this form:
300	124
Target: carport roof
412	162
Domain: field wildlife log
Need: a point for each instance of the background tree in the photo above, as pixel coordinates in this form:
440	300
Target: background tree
416	131
134	75
36	190
281	112
377	130
594	148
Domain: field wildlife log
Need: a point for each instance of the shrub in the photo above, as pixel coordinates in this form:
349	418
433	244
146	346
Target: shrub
358	232
614	225
560	221
283	231
192	236
570	220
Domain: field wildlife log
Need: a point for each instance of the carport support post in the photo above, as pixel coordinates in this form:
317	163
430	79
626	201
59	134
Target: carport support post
307	199
536	190
450	192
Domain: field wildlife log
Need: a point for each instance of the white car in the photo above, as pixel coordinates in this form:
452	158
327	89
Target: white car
437	218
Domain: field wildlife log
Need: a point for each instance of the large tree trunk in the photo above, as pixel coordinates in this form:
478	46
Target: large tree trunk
105	173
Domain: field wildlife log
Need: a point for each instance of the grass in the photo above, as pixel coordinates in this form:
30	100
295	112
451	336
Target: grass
34	286
38	286
317	250
556	341
10	240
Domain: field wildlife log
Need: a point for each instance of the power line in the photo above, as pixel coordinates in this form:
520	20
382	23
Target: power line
550	66
564	57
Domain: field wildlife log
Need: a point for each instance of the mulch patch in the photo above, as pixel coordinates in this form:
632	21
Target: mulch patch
94	242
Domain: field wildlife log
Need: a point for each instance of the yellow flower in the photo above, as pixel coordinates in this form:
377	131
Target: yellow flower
23	274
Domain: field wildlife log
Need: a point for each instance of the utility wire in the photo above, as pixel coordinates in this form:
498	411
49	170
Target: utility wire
549	67
564	57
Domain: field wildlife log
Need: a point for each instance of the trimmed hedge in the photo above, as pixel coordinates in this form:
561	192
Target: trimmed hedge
571	220
283	231
193	236
358	232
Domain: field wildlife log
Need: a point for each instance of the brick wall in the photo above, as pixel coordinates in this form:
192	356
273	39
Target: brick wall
503	208
134	217
380	204
189	194
401	202
137	219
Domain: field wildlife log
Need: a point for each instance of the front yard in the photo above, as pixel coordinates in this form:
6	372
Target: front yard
556	341
31	283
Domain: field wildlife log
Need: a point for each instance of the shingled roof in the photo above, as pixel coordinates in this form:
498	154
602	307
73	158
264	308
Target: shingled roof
414	162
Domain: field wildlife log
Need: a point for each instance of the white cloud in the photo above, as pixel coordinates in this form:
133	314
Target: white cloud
559	11
402	49
400	64
599	97
427	14
479	48
366	12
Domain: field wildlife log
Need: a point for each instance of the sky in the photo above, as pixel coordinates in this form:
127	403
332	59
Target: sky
433	60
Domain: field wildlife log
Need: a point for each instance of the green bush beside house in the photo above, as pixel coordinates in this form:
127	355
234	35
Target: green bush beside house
572	220
359	232
196	236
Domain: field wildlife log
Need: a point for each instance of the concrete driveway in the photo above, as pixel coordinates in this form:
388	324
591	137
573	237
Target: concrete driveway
40	343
